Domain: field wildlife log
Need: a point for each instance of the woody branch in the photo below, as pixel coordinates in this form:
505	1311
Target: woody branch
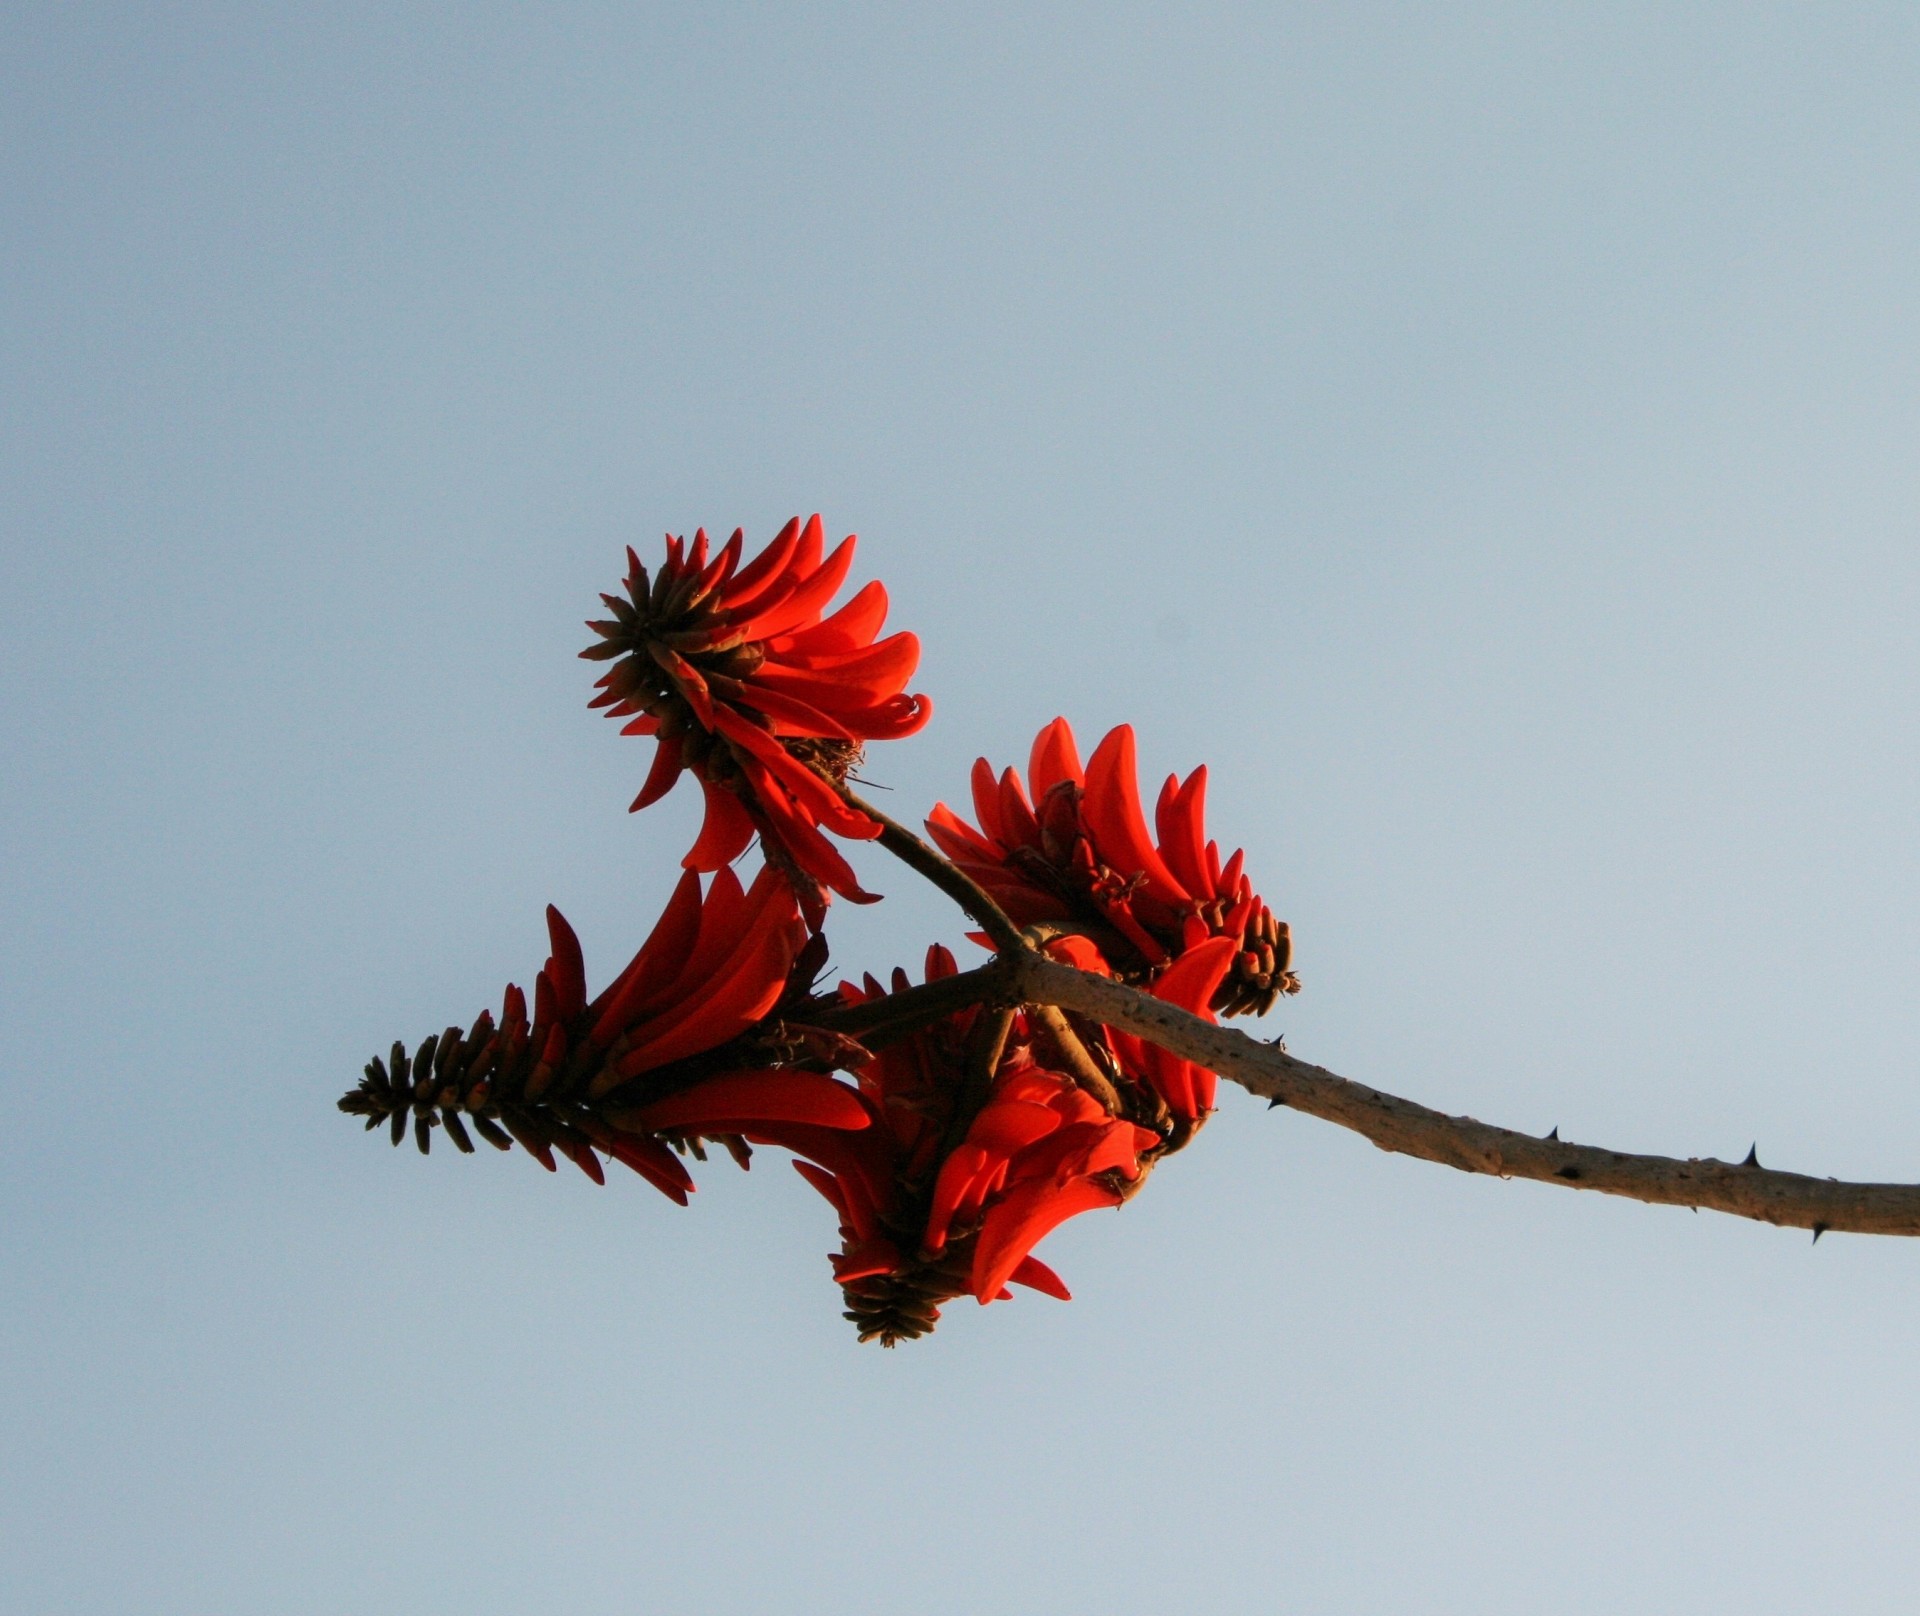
1404	1127
1745	1190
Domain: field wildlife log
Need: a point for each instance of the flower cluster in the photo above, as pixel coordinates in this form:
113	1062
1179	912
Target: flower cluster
739	675
1078	854
983	1143
949	1131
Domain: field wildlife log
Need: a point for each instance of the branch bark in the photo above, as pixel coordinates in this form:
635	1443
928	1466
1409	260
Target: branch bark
1740	1189
1744	1190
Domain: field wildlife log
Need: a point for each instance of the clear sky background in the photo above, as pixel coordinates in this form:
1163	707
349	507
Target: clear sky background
1485	435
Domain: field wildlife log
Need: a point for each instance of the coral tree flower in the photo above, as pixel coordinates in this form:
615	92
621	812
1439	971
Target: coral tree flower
936	1203
739	675
1078	853
666	1052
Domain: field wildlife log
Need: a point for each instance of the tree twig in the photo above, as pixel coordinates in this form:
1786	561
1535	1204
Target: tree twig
924	860
1079	1063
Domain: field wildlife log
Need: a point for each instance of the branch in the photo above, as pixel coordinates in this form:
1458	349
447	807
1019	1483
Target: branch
949	878
1745	1190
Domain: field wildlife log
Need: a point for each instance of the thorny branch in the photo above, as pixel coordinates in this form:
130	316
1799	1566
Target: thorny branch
1741	1189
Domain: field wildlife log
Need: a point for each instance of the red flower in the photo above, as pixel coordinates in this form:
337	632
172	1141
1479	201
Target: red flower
935	1204
663	1050
740	677
1079	853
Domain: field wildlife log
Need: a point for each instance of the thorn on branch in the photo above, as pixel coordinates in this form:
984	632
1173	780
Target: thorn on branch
1753	1156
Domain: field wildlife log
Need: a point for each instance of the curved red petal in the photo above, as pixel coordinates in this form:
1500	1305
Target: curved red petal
1180	819
852	628
986	799
661	954
1007	1126
1191	980
1111	811
664	774
957	1174
742	590
825	1183
1054	759
794	715
1018	827
802	603
1027	1215
959	840
652	1161
735	979
724	833
566	970
1036	1275
878	671
739	1098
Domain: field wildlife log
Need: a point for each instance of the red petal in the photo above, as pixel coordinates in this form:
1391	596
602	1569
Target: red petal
804	844
893	720
566	969
1007	1126
1018	827
1191	980
870	1257
652	1161
986	800
865	1181
724	833
791	714
721	568
851	628
876	671
793	610
959	840
1036	1275
1080	952
1054	759
1111	812
957	1174
825	1183
822	804
770	564
756	1096
1022	1220
1180	819
736	994
651	967
664	774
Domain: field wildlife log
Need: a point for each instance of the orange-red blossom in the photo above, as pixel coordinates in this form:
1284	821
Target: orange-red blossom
661	1054
1078	854
740	675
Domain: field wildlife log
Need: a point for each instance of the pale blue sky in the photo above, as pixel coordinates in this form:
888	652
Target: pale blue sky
1485	435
